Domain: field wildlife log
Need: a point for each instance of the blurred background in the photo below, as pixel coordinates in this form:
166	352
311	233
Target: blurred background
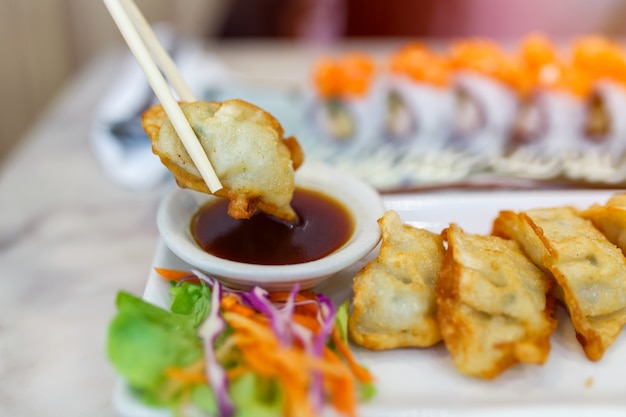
44	42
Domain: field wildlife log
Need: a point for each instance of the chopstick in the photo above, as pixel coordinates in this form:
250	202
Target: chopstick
144	44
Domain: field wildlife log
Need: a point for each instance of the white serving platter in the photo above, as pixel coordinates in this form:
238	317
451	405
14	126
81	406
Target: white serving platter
423	382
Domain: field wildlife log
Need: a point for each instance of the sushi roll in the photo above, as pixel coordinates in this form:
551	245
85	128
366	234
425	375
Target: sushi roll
420	118
487	84
420	103
602	151
550	117
605	62
346	104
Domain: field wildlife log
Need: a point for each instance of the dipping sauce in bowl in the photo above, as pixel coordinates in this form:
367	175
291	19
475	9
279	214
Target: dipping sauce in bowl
315	184
324	225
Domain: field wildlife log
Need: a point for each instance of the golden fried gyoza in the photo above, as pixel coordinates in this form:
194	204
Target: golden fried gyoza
394	294
494	305
590	271
246	147
610	219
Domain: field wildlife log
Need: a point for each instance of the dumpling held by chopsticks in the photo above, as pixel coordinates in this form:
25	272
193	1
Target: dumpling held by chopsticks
245	144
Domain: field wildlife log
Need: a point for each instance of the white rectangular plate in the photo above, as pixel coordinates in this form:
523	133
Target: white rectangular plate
423	382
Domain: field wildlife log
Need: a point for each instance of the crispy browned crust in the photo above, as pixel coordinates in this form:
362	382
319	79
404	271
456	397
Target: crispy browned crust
403	272
575	241
297	154
243	202
466	329
152	120
610	219
452	327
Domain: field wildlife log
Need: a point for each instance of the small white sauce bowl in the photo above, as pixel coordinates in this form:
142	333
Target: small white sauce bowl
359	198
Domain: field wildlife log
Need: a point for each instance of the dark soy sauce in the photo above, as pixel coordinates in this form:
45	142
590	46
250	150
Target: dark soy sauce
324	225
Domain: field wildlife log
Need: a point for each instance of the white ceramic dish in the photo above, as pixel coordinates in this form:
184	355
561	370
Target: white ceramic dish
424	382
361	200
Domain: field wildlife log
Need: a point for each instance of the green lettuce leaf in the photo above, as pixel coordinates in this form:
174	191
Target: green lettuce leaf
191	299
144	340
203	398
367	390
256	396
341	319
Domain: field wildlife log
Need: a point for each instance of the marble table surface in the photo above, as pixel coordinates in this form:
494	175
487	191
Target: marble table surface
69	240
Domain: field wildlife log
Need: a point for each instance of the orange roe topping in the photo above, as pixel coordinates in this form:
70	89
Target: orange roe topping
546	69
350	75
487	58
421	64
537	53
600	58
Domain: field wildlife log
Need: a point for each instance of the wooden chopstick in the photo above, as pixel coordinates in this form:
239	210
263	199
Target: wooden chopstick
143	43
167	65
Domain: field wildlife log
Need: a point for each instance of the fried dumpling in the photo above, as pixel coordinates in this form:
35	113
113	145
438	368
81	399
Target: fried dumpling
494	305
590	271
246	147
394	294
610	219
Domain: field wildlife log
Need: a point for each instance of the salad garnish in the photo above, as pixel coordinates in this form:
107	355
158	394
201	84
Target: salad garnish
237	353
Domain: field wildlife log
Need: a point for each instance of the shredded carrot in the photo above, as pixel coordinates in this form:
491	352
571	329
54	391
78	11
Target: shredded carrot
236	372
262	353
190	375
183	380
359	372
341	387
292	367
309	322
282	296
230	303
171	274
309	309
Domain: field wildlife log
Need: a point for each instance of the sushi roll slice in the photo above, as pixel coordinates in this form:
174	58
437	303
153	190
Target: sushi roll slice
346	105
487	85
602	151
420	103
550	116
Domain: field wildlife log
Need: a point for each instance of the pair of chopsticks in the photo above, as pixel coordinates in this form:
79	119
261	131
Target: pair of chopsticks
147	49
